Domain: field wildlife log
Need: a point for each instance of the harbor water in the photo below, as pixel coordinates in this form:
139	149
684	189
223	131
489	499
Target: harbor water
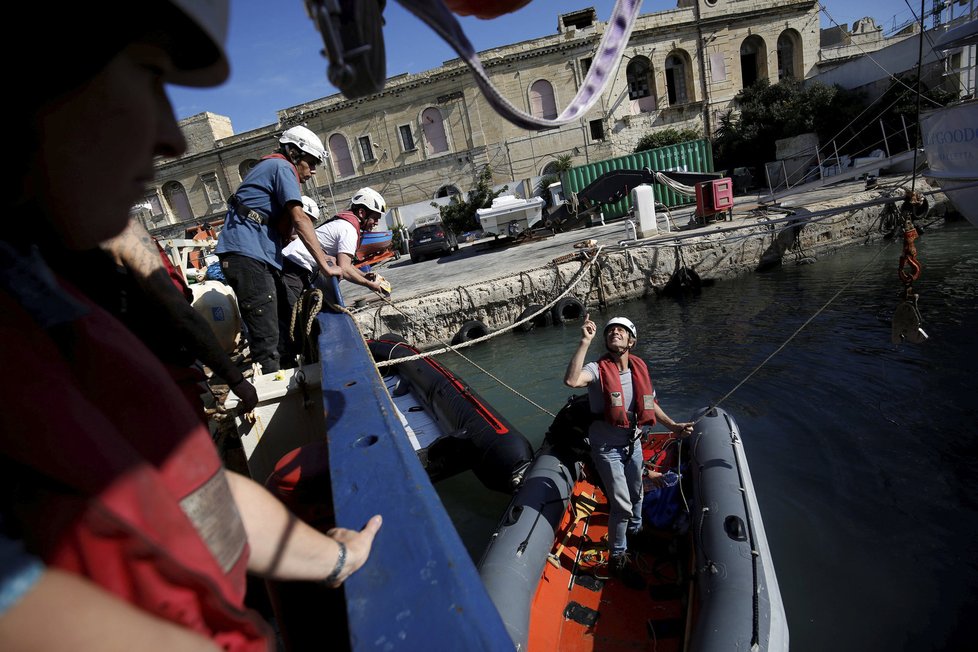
864	453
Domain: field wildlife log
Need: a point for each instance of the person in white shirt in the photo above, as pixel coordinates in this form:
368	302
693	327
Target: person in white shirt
339	238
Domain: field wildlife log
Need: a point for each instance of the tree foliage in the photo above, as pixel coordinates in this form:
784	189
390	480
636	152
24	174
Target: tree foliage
842	119
460	215
900	102
666	137
769	112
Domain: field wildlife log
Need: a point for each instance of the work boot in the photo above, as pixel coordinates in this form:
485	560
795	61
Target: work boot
620	566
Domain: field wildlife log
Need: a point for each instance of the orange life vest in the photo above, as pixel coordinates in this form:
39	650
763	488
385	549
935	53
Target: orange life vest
615	412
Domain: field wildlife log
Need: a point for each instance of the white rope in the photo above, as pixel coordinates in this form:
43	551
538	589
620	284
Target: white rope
681	188
499	381
448	347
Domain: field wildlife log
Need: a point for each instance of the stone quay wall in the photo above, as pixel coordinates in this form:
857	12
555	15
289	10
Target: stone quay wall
637	270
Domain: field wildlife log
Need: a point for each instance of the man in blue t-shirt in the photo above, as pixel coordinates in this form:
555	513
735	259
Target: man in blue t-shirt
263	214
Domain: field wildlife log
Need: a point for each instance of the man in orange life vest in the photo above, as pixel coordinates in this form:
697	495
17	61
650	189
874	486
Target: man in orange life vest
622	401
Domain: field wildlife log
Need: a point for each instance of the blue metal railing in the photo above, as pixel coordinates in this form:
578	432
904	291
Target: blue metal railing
419	589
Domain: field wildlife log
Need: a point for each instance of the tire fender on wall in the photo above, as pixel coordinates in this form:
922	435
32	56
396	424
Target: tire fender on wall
470	330
543	319
567	309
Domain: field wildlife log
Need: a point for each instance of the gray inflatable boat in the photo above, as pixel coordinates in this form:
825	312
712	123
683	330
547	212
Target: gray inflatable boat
702	581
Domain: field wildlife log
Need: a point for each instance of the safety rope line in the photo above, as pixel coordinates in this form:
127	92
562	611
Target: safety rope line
793	335
675	241
578	277
491	281
455	348
389	361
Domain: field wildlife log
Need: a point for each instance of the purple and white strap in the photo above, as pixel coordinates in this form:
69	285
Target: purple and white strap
437	16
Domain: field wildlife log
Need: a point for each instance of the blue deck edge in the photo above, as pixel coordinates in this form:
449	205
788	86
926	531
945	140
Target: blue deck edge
419	585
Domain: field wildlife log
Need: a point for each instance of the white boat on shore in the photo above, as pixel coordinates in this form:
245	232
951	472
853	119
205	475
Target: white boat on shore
950	137
950	133
510	215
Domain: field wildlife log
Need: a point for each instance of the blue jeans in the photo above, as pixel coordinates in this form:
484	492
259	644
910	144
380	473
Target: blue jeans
620	468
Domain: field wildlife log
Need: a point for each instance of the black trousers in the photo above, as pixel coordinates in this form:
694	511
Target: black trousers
256	286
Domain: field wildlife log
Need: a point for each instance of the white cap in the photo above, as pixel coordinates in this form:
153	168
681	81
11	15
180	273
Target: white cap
211	68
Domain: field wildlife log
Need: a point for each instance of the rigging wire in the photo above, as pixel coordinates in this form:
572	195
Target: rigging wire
794	334
869	55
920	58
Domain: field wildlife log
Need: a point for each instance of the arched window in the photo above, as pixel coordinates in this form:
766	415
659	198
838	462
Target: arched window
339	151
789	63
176	199
246	166
677	79
753	60
447	191
550	168
641	89
433	128
542	103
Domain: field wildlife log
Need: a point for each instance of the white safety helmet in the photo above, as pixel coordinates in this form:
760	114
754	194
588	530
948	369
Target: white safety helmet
622	321
310	206
306	140
369	199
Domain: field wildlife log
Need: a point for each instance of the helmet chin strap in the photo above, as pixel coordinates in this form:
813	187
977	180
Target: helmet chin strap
618	354
293	153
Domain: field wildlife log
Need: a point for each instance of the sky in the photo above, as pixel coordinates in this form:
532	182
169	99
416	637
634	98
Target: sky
274	48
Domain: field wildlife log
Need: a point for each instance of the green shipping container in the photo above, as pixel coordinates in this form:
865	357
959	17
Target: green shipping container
691	156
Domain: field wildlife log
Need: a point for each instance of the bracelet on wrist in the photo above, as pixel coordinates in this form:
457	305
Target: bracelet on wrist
340	562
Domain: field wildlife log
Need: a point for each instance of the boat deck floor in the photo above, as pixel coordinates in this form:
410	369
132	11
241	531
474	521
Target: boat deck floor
420	426
579	608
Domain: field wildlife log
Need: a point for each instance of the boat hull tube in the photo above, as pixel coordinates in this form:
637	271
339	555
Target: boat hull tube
733	597
517	553
452	428
737	597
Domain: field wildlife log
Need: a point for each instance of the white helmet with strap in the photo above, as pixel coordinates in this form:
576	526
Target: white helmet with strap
369	199
306	140
623	322
310	206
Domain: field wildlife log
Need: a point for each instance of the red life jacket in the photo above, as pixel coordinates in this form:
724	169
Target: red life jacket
117	479
351	218
615	412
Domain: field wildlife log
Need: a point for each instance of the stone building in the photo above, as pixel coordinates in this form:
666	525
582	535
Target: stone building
428	135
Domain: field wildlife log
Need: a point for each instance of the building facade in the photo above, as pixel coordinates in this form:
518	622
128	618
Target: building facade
428	135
